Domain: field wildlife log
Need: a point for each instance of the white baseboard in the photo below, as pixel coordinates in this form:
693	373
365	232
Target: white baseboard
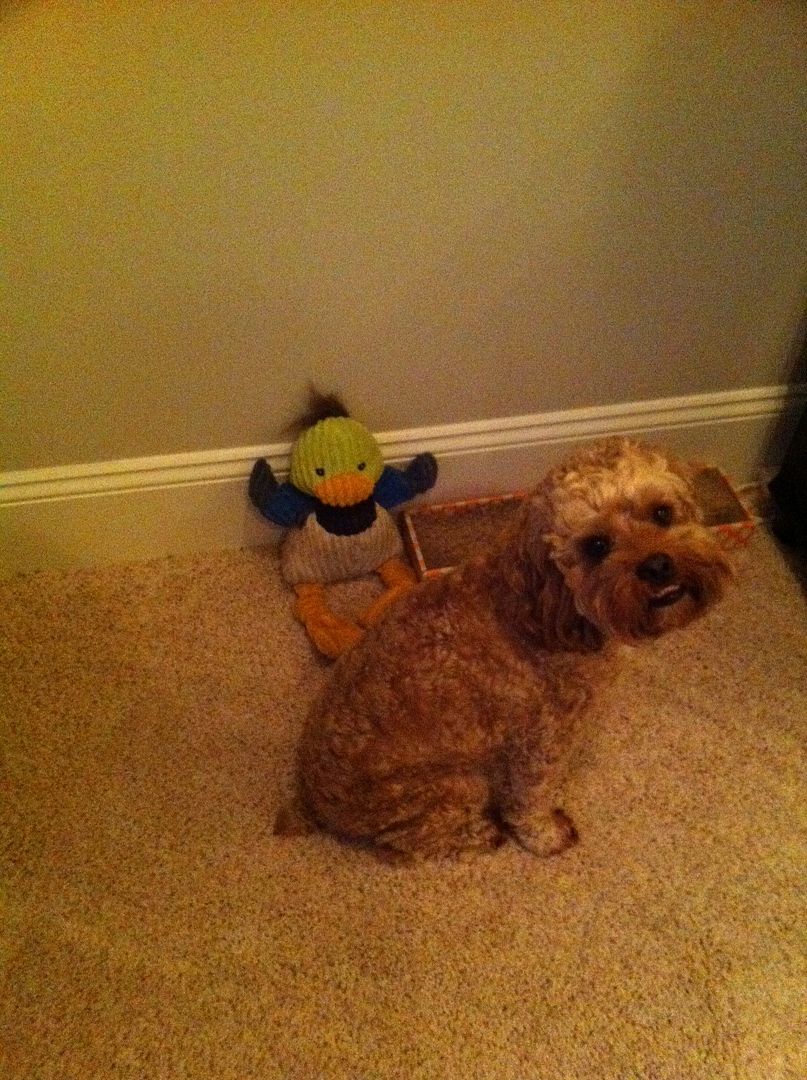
141	508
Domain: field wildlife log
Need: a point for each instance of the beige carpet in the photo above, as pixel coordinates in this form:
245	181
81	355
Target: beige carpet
154	928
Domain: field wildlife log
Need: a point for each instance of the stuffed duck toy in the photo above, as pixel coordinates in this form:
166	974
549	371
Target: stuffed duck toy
336	506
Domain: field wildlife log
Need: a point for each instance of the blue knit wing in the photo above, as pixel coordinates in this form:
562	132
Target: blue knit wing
287	506
397	486
393	488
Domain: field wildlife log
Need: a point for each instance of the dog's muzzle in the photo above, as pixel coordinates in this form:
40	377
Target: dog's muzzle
659	572
669	596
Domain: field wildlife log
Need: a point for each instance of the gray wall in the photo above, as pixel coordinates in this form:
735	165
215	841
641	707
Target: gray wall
449	211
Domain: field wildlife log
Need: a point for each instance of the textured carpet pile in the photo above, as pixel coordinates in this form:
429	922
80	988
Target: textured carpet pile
152	926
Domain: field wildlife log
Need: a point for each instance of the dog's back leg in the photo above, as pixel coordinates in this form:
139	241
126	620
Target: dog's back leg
293	820
446	814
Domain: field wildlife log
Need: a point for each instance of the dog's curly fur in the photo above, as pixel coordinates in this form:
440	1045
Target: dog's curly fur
451	725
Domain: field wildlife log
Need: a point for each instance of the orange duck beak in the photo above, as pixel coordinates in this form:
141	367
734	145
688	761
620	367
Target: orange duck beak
344	489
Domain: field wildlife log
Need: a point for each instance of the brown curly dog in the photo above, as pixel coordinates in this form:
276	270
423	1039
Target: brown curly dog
450	725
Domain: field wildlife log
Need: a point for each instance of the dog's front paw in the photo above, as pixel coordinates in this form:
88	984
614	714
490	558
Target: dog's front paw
547	835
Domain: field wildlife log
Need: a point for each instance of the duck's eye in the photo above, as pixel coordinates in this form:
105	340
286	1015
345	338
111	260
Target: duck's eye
362	466
319	472
596	547
663	515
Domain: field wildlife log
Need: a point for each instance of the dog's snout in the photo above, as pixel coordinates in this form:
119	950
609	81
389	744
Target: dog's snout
658	569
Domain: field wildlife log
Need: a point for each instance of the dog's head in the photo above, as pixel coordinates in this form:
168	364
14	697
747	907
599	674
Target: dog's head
620	524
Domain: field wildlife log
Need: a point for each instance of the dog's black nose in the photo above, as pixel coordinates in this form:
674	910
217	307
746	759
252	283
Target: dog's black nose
658	569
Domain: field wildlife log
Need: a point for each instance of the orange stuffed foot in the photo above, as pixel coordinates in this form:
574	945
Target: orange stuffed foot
331	634
399	579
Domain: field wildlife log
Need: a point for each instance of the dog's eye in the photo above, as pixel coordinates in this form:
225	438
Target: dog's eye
663	515
596	547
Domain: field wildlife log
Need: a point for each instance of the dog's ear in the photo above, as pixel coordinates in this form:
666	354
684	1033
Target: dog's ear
541	604
688	472
534	529
534	539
